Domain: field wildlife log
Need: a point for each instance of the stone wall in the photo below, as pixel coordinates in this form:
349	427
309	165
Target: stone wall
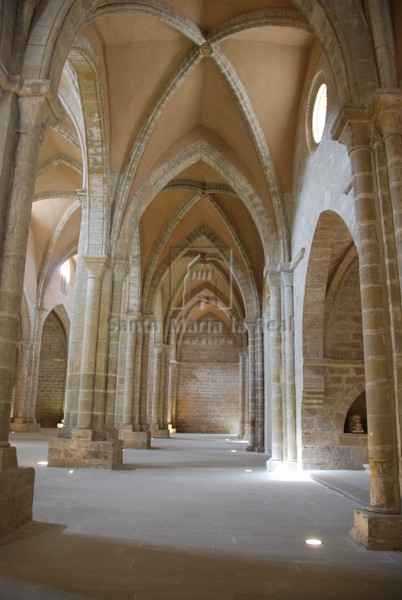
324	443
52	373
208	380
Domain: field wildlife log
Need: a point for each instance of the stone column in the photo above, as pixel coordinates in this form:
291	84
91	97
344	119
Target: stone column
387	109
164	391
374	531
133	318
20	413
130	430
95	266
138	372
275	348
33	366
250	326
144	397
154	420
90	444
120	271
8	122
35	114
242	392
289	355
77	324
172	394
259	386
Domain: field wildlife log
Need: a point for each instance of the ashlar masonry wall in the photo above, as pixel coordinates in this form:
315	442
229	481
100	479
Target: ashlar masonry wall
52	373
208	379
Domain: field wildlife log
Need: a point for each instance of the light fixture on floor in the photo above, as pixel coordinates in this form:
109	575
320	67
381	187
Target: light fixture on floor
233	450
313	542
248	470
42	462
71	472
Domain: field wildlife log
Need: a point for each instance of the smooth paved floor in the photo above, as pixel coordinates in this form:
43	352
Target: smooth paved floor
186	521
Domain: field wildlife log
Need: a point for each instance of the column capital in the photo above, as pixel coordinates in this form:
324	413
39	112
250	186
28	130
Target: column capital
134	315
287	278
39	108
352	127
95	265
387	112
272	275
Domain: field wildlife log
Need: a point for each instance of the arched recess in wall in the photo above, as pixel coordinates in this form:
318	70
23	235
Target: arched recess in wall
333	365
52	372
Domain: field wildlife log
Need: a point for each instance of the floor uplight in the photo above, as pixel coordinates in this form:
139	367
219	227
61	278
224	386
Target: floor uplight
248	470
233	450
313	542
42	462
71	472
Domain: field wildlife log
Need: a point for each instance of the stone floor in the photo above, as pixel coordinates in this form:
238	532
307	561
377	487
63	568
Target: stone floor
194	518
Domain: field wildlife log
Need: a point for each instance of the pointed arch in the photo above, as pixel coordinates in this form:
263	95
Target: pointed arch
183	159
250	297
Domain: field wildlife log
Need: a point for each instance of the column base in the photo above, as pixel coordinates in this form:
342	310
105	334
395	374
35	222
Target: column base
23	427
376	531
16	492
135	439
157	432
281	465
83	452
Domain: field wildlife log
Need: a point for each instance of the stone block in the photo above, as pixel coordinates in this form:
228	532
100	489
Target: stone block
135	439
8	458
21	427
376	531
16	498
85	454
81	434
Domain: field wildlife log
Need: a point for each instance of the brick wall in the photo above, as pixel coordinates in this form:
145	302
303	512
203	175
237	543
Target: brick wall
208	380
52	373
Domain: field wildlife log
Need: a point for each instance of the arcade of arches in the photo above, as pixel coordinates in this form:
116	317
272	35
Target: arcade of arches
188	243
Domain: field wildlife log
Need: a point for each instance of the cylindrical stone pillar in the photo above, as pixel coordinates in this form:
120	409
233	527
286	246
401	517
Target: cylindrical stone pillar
144	396
95	266
290	412
77	322
120	271
353	129
33	368
250	326
242	392
172	392
388	118
158	348
129	378
34	112
275	340
259	386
